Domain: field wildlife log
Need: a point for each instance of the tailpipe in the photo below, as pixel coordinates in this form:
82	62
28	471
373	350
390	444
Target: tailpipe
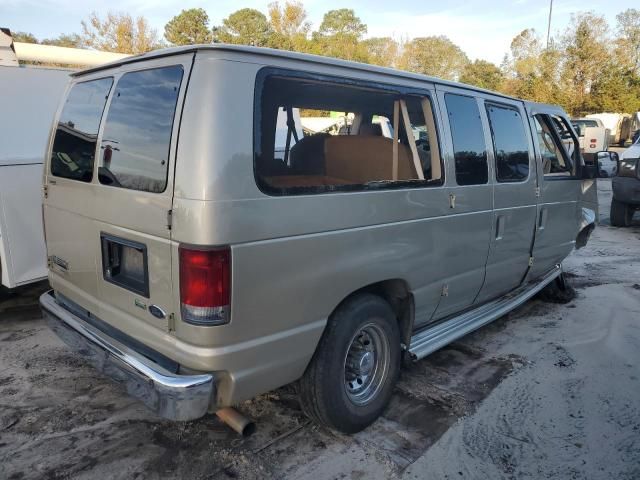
236	421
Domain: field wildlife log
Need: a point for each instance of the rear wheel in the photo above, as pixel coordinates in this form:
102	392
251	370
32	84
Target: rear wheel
351	377
621	214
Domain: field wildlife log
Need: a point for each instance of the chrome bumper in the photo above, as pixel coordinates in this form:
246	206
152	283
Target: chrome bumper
172	396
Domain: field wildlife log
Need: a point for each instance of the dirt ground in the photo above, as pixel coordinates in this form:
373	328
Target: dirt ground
549	391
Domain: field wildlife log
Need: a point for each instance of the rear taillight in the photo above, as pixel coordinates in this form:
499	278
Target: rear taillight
205	285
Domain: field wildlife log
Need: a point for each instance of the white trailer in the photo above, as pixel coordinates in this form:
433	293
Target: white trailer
29	98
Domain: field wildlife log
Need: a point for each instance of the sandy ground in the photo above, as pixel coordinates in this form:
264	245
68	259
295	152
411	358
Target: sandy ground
549	391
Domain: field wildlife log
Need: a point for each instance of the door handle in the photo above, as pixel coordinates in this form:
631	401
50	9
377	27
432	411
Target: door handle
543	218
500	227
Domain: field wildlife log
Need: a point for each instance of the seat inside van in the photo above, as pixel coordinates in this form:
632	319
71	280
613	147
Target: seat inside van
344	160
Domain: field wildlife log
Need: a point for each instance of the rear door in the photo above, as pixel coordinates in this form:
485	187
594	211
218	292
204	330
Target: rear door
108	200
134	191
514	211
69	194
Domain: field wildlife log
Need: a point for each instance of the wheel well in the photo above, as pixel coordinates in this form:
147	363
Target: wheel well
396	292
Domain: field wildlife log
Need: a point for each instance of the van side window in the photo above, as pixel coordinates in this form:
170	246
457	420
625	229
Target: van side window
469	148
509	143
74	144
318	135
137	133
555	161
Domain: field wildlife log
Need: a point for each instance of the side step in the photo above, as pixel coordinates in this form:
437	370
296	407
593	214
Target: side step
427	341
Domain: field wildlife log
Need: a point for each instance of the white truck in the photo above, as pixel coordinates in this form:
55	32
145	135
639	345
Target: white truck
29	98
593	136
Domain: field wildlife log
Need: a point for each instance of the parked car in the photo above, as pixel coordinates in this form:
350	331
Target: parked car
204	268
626	187
29	102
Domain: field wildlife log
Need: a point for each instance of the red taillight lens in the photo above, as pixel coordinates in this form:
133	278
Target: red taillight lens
205	286
593	140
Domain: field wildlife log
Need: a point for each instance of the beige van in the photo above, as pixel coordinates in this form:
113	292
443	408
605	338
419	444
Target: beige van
201	255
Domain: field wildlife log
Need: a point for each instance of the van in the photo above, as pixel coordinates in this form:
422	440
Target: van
198	262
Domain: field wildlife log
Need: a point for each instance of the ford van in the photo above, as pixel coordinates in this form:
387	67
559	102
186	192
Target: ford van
204	248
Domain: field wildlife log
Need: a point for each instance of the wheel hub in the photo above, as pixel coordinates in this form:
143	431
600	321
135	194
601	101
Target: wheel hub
366	364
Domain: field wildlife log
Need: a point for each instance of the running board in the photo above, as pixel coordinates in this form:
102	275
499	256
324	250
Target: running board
433	338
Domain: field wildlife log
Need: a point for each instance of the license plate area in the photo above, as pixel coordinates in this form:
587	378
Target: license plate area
124	263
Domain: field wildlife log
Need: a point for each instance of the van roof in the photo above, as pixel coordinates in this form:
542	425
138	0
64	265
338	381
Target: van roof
305	57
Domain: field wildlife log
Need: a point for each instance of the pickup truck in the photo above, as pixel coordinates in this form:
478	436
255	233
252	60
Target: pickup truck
593	136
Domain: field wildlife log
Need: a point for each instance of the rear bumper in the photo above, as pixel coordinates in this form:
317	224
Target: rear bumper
172	396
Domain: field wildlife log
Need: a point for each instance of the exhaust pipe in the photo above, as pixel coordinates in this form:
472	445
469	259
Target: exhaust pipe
236	421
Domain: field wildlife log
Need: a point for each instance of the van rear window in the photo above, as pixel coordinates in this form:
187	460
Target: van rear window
137	134
317	134
74	145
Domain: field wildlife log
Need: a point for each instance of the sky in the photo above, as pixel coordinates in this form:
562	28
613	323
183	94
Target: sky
483	29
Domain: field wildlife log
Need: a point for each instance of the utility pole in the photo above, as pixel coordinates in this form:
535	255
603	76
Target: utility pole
549	23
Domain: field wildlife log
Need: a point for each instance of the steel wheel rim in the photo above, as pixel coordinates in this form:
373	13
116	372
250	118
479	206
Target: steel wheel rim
366	364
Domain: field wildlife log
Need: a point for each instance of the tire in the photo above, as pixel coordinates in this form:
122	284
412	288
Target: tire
329	390
621	214
558	291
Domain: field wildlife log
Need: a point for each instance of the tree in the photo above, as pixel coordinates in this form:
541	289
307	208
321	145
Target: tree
437	56
525	49
482	74
119	32
288	20
245	27
382	51
531	71
342	22
289	26
339	36
189	27
72	40
586	56
616	90
628	41
24	37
